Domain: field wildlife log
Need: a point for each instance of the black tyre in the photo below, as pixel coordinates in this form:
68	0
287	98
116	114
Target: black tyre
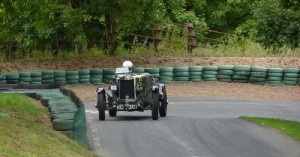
164	104
101	106
155	105
113	112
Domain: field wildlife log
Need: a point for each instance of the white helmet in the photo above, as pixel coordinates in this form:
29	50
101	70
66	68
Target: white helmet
127	64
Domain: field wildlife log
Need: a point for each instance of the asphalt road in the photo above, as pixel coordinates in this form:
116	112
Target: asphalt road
194	127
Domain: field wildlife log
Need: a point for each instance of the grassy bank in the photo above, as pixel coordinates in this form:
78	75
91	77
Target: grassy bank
27	131
290	128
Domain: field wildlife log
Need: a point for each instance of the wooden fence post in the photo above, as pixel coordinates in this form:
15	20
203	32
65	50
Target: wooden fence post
156	37
191	39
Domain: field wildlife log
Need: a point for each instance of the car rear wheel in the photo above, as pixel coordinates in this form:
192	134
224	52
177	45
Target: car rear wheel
164	103
155	106
101	106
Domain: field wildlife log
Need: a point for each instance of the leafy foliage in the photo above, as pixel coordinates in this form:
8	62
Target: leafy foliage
78	24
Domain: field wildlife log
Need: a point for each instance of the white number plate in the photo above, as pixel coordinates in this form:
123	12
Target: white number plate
129	107
113	87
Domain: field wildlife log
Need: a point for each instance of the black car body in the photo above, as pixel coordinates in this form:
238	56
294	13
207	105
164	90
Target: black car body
132	92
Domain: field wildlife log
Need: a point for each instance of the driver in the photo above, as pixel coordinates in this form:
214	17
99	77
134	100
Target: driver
128	64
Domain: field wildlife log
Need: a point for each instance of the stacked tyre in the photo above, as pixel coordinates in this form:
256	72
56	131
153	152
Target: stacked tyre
138	70
154	72
241	73
84	76
108	74
291	76
181	74
166	75
2	79
275	76
60	77
195	73
24	78
72	77
47	77
258	75
225	73
210	73
96	76
36	78
12	78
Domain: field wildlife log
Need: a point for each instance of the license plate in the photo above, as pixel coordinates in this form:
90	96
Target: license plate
129	107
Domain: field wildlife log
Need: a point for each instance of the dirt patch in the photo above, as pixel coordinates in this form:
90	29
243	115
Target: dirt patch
106	62
213	89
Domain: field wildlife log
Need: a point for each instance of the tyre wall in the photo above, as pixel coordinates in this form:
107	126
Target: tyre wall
225	73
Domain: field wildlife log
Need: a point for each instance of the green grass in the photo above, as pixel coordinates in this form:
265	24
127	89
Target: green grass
28	131
290	128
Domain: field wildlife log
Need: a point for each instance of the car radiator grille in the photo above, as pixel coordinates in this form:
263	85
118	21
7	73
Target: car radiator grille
127	88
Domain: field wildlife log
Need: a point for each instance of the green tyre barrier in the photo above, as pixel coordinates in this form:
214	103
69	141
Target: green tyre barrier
24	83
291	75
244	73
106	81
181	74
49	72
72	73
155	75
80	129
108	76
48	77
224	76
225	72
109	71
275	79
225	80
195	68
196	79
274	83
84	76
166	69
210	72
152	70
226	67
275	70
72	77
210	79
84	72
36	74
138	70
290	79
180	69
242	68
60	79
12	76
259	69
72	81
36	79
25	79
210	68
182	79
195	73
96	71
171	74
63	124
84	81
240	77
59	74
290	83
165	78
258	74
2	77
97	76
257	79
291	70
275	74
24	74
12	81
3	82
209	76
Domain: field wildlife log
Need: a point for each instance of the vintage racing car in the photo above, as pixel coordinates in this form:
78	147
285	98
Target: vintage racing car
132	92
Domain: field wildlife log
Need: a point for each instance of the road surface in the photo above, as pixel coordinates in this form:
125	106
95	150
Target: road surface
194	127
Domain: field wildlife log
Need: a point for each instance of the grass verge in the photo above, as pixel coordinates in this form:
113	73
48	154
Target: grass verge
27	131
290	128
